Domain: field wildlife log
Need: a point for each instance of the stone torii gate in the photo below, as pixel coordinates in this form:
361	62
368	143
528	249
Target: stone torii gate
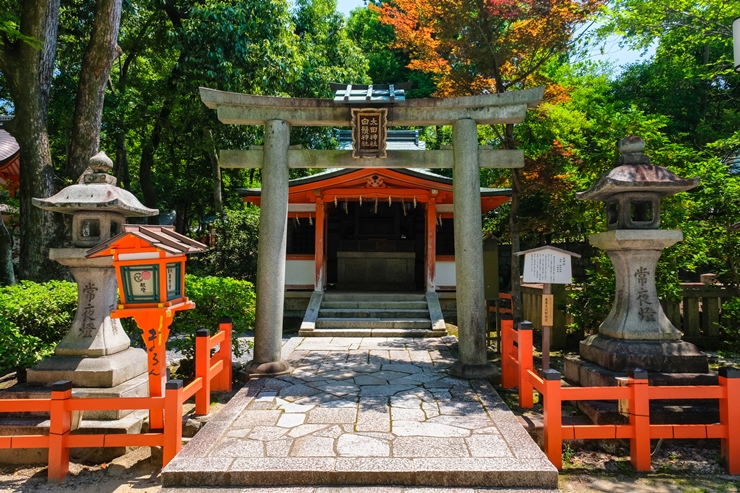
465	158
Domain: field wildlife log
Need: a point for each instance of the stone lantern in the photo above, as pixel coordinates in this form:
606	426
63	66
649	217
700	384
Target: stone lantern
637	333
96	352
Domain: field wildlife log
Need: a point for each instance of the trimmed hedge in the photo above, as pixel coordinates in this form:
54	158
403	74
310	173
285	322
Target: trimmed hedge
35	317
45	311
19	351
214	297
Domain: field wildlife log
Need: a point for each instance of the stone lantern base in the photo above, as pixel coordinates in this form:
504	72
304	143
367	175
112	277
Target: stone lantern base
652	356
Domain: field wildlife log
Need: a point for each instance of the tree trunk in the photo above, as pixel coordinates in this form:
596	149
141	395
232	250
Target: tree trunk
147	160
28	71
121	169
516	287
7	276
96	66
218	203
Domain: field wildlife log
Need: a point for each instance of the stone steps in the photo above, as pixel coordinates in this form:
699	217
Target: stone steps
373	323
373	315
352	296
346	305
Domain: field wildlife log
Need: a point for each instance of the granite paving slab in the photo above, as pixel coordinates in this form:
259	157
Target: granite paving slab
363	411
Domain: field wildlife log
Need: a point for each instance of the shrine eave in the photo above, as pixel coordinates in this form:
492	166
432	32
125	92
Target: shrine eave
484	192
353	181
247	109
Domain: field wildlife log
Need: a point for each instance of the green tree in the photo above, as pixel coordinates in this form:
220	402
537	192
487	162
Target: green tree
28	69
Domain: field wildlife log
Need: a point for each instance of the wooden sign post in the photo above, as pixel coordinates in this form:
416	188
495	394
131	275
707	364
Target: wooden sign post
547	265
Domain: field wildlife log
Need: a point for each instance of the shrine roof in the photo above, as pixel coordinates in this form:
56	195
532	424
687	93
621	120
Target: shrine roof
369	94
397	140
423	174
160	237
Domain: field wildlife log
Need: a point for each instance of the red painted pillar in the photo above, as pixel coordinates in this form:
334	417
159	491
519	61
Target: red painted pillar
173	421
59	428
525	360
431	247
553	417
222	382
508	372
729	416
202	371
319	245
639	419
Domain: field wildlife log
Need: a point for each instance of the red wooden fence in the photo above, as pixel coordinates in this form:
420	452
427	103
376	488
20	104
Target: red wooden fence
61	405
636	394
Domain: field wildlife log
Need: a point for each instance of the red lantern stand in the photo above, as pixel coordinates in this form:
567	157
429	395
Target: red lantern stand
150	269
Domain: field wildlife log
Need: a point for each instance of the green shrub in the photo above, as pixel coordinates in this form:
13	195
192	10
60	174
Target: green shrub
19	350
214	297
45	311
233	252
730	324
591	301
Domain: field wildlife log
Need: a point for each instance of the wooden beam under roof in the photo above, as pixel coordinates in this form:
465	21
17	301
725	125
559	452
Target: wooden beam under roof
302	158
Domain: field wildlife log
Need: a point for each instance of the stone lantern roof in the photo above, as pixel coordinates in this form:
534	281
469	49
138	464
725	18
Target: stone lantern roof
97	192
634	173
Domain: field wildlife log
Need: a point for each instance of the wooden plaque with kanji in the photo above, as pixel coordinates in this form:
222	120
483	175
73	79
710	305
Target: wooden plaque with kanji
369	132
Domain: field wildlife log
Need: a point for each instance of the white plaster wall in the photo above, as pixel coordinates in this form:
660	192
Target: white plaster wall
300	272
445	274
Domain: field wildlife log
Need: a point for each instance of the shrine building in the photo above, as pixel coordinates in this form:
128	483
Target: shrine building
373	230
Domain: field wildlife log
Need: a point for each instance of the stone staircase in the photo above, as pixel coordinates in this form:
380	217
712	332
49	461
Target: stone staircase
373	315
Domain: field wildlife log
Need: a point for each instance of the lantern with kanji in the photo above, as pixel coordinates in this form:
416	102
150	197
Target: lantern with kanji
150	268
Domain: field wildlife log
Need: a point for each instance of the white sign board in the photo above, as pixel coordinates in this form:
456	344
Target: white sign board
547	266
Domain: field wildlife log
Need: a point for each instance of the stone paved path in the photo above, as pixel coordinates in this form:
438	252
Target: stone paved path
359	411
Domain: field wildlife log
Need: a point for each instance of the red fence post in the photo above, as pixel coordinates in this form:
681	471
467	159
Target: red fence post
59	429
729	416
222	382
524	357
202	370
553	417
172	421
508	376
637	380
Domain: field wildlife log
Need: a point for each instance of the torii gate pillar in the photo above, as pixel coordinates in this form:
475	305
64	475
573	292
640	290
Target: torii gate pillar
471	313
268	325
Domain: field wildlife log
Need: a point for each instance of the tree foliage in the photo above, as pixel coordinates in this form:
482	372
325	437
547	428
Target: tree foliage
475	47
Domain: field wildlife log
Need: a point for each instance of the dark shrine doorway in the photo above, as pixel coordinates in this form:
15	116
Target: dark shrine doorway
376	246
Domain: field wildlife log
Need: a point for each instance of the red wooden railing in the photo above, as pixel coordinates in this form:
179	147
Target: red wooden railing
61	405
636	396
516	359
